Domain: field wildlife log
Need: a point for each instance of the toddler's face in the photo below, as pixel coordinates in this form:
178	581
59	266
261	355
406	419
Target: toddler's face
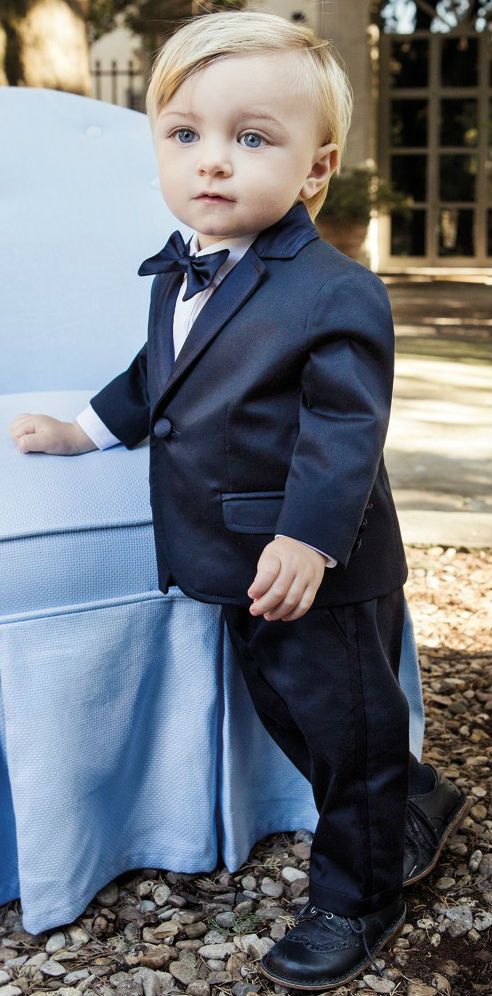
239	129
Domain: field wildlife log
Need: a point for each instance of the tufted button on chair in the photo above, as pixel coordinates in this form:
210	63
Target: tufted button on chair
101	770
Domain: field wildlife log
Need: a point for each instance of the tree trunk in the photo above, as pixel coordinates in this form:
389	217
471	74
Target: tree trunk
44	43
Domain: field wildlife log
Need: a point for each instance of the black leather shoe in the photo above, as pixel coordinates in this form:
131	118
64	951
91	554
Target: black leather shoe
324	950
431	819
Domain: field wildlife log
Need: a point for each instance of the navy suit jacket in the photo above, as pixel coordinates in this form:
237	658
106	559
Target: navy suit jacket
271	420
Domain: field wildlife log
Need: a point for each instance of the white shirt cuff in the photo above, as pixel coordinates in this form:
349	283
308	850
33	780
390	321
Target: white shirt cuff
95	428
330	562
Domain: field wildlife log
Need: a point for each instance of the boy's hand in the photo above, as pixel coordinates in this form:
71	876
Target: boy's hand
44	434
288	577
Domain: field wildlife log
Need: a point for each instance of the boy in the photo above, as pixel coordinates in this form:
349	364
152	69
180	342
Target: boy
265	387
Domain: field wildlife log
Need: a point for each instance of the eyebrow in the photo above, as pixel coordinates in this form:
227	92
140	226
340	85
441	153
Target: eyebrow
251	113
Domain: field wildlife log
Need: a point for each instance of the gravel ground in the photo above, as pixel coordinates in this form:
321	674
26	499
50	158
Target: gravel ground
149	932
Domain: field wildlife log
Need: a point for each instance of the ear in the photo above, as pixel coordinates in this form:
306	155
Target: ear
325	163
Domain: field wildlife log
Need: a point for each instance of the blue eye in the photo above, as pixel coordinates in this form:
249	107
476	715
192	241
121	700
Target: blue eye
185	131
253	134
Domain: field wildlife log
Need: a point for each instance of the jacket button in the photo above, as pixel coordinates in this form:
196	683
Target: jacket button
162	428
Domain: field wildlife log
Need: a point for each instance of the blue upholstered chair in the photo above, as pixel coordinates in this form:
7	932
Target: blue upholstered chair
127	735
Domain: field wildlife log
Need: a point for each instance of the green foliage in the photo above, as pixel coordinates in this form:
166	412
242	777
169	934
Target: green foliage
356	192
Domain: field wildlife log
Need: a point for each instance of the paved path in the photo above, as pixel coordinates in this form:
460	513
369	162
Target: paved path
439	444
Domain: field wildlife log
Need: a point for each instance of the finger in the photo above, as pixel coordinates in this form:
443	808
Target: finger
269	566
26	424
303	606
276	592
30	442
290	602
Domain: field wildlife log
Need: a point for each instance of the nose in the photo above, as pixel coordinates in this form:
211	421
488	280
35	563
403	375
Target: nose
213	160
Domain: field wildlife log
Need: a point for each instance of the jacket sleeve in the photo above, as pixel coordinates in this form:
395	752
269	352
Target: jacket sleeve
346	388
123	404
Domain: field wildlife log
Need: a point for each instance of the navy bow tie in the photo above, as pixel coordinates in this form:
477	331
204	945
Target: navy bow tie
200	270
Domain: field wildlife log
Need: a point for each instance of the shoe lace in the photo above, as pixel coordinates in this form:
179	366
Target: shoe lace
356	924
419	823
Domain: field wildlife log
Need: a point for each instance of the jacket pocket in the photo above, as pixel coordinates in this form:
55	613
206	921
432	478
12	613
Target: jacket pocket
252	511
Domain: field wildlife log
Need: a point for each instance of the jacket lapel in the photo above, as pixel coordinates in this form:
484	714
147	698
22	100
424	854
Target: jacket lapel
282	240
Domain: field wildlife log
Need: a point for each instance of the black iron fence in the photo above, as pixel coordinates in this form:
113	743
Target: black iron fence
125	87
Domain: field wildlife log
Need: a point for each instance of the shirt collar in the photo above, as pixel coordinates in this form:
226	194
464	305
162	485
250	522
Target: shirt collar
237	246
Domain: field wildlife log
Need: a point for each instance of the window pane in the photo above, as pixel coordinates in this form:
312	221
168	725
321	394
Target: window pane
408	62
408	174
456	232
459	60
408	122
457	178
459	122
408	233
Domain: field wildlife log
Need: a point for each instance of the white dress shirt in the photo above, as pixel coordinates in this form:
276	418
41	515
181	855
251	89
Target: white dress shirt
185	313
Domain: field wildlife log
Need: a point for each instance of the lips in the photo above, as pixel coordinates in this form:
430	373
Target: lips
212	197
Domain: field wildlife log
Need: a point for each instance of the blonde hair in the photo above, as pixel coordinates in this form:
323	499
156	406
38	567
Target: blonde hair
204	39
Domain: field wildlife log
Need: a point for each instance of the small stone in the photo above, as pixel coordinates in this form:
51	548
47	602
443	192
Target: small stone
479	792
475	859
290	875
161	894
151	955
213	937
302	851
78	936
379	985
126	985
486	866
77	976
144	888
198	988
52	968
419	989
441	984
219	978
473	936
185	969
459	919
194	930
445	883
108	896
278	931
243	988
4	977
254	946
401	958
249	882
169	929
216	950
482	920
478	812
270	888
55	942
11	991
458	848
435	940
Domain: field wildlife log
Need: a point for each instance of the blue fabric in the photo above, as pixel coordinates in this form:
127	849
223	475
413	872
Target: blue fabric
81	206
101	769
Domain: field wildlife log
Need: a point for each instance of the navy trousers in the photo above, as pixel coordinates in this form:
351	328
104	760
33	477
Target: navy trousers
325	687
